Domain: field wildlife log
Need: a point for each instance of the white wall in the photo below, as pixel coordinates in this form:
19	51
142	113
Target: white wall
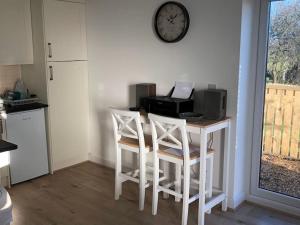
123	50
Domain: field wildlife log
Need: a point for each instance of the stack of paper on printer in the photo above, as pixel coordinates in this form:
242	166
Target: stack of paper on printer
183	89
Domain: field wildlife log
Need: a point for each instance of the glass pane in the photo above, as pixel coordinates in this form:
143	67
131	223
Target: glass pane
280	158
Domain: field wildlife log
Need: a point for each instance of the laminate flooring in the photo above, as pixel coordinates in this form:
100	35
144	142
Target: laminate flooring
84	195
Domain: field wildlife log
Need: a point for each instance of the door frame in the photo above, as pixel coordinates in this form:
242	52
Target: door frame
259	195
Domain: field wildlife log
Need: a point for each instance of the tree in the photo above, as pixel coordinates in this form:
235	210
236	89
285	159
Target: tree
284	44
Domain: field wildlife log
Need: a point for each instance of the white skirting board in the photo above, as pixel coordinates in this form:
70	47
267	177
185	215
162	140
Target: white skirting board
96	159
236	200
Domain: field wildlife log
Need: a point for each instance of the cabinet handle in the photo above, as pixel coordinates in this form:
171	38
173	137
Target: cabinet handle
1	128
51	72
50	50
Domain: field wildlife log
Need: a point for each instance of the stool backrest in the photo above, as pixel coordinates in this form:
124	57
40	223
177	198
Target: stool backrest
127	124
163	129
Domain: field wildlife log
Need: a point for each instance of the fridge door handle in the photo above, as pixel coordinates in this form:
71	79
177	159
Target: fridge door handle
51	72
50	50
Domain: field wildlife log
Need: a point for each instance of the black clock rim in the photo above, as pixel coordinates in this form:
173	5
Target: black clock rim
187	24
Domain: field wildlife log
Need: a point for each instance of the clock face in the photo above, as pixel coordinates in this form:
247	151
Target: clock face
171	22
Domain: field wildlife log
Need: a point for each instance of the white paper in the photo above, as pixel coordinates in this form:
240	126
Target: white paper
183	89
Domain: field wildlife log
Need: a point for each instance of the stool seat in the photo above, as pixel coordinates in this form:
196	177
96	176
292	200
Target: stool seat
135	142
5	207
178	153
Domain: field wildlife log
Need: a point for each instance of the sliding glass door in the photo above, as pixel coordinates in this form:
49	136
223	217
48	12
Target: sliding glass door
276	142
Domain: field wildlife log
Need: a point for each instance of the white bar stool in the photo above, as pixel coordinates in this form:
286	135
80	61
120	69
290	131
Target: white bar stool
129	136
171	149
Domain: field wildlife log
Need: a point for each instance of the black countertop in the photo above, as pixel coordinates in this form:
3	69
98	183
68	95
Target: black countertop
26	107
6	146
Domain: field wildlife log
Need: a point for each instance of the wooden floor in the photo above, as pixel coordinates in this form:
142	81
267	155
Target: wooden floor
83	195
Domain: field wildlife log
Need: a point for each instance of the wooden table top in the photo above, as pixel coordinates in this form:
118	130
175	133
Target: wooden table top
199	124
207	123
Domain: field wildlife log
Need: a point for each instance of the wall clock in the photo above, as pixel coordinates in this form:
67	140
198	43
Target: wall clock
171	22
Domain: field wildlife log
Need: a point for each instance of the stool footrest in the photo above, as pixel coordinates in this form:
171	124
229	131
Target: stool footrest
169	191
126	177
195	197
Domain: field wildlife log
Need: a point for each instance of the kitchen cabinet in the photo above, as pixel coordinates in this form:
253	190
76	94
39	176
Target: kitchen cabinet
65	30
27	130
68	112
16	33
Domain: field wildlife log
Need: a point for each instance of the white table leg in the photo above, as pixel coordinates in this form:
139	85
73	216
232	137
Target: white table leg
202	175
226	166
209	177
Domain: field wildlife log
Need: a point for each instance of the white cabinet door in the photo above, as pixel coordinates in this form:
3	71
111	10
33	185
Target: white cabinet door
65	30
68	112
15	32
27	130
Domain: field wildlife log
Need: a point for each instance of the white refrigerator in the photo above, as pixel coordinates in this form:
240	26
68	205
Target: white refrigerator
27	130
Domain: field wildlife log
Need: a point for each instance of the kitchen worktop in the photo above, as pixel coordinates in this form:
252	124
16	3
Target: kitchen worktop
26	107
6	146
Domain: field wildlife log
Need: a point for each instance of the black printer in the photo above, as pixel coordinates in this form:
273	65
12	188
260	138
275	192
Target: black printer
168	106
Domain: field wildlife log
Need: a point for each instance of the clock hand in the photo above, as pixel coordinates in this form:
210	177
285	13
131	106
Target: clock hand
170	20
173	17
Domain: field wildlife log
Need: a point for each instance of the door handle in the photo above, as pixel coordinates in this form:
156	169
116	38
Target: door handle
50	50
51	72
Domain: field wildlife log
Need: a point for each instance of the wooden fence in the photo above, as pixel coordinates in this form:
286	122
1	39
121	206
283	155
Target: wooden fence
281	133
